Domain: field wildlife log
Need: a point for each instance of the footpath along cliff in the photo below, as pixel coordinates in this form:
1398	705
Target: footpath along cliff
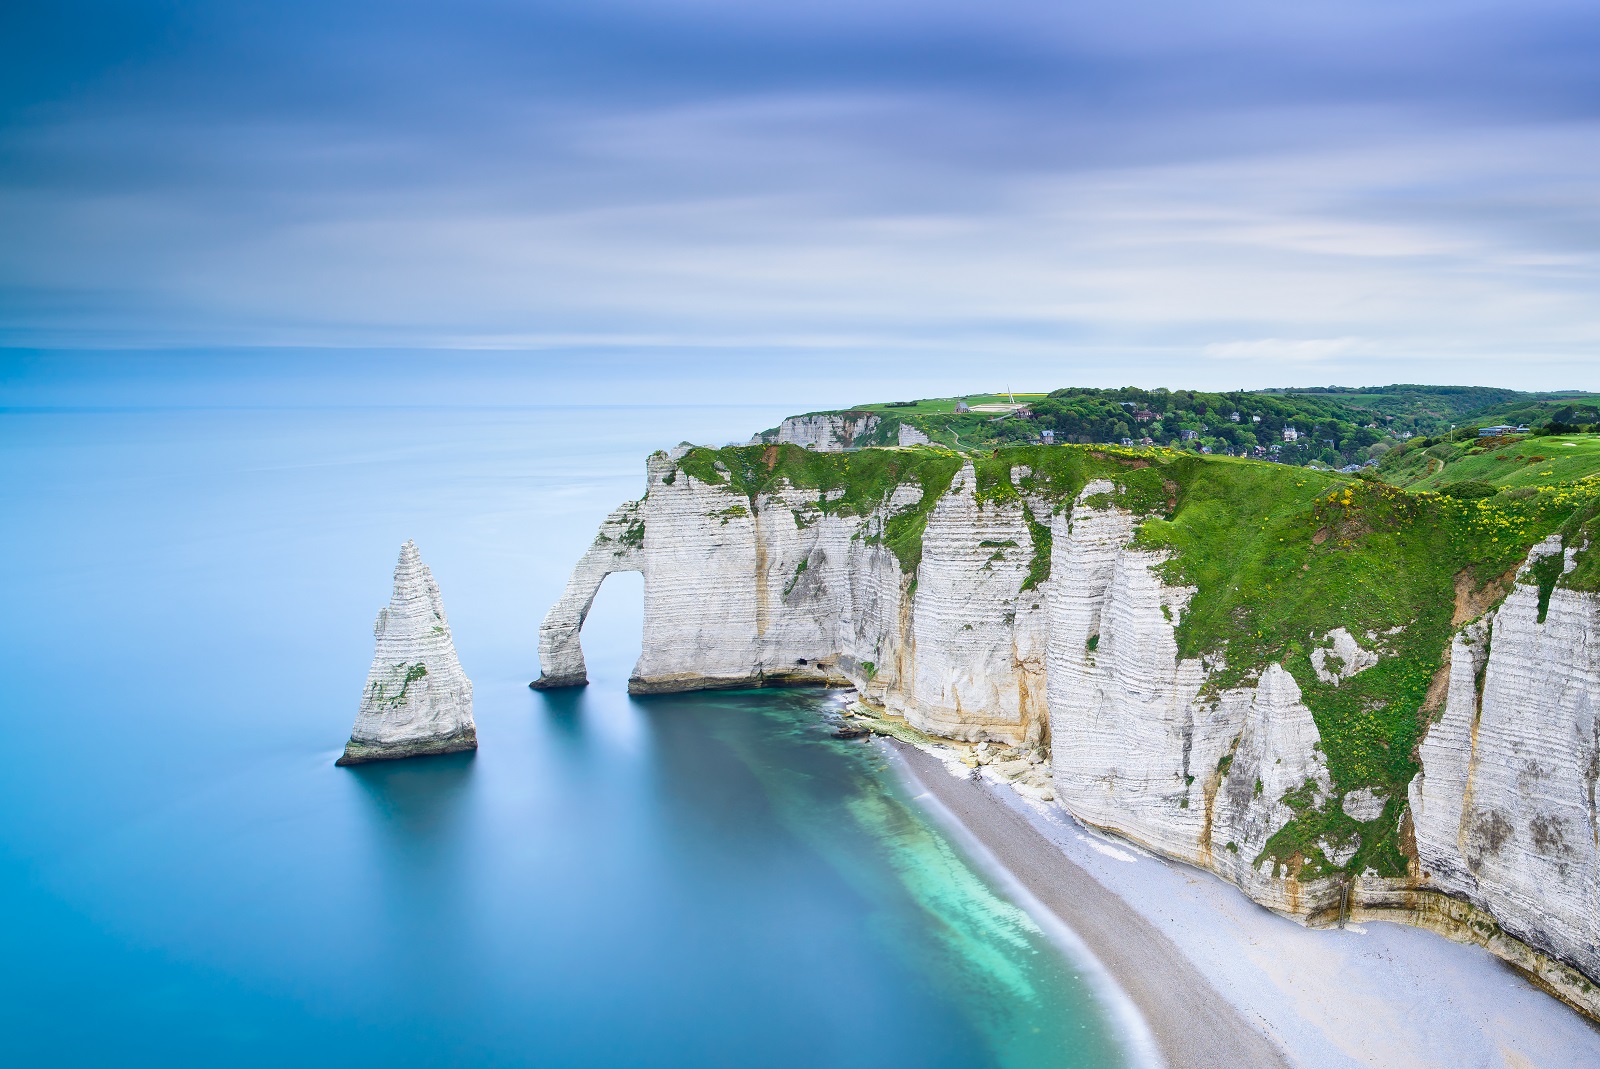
1349	700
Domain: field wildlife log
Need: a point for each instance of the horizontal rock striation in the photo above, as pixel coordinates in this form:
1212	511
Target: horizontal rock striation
417	699
1505	806
983	600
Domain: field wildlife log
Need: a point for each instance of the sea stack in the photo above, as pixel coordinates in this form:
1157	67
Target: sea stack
417	701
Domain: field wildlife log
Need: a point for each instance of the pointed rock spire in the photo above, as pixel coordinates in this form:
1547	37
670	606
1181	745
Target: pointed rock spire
417	701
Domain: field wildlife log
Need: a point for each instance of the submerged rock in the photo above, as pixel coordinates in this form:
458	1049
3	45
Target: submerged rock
417	700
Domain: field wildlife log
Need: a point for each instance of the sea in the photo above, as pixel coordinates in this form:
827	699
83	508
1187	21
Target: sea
186	879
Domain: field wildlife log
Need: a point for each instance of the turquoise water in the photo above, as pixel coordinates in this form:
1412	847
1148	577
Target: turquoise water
186	879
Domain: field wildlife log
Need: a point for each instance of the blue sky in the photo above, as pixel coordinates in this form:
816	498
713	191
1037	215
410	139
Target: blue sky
842	199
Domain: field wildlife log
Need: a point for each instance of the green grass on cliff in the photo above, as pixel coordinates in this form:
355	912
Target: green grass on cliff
1279	557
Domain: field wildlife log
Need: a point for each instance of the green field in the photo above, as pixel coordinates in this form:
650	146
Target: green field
945	405
1497	462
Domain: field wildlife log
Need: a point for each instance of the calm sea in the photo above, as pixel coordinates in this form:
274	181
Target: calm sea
187	880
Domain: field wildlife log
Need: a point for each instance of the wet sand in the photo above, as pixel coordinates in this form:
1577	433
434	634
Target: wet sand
1193	1027
1222	981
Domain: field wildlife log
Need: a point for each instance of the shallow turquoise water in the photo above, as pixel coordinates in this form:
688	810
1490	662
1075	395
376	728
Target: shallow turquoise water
701	880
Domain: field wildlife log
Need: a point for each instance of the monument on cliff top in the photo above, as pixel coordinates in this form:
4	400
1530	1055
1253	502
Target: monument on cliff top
418	700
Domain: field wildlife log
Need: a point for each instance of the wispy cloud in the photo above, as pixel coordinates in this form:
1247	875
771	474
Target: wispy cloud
1284	350
1411	187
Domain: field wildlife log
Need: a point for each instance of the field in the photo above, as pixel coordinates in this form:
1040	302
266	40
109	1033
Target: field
944	405
1498	462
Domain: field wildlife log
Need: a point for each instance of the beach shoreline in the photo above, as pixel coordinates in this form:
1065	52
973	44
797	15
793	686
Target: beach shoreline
1220	981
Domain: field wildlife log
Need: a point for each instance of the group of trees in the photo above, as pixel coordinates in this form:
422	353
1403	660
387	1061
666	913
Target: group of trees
1235	423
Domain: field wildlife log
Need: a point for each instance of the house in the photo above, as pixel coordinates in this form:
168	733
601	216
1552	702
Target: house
1234	416
1255	419
1047	436
1144	415
962	406
1274	448
1496	431
1205	449
1188	435
1147	441
1127	441
1290	434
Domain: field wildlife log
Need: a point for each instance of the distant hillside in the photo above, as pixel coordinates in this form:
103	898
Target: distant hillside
1335	426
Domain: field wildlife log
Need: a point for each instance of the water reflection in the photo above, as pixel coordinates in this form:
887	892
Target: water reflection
419	834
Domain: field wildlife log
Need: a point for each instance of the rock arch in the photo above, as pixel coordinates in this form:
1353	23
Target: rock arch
618	547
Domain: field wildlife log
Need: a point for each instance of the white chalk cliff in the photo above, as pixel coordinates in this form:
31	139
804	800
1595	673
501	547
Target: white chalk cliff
1505	806
825	432
976	642
417	699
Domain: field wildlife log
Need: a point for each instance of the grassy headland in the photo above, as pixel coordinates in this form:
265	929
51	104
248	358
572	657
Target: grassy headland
1279	557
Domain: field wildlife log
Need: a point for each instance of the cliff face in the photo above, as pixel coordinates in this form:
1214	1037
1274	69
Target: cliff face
1505	806
826	432
1136	749
417	699
1246	702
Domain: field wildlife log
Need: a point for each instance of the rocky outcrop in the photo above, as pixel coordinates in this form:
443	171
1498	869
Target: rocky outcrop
417	699
825	432
906	434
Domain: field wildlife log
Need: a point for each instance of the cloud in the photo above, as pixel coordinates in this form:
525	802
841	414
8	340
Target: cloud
1284	350
1026	182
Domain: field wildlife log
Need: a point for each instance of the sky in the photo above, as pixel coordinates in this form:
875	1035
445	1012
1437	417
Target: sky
833	201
